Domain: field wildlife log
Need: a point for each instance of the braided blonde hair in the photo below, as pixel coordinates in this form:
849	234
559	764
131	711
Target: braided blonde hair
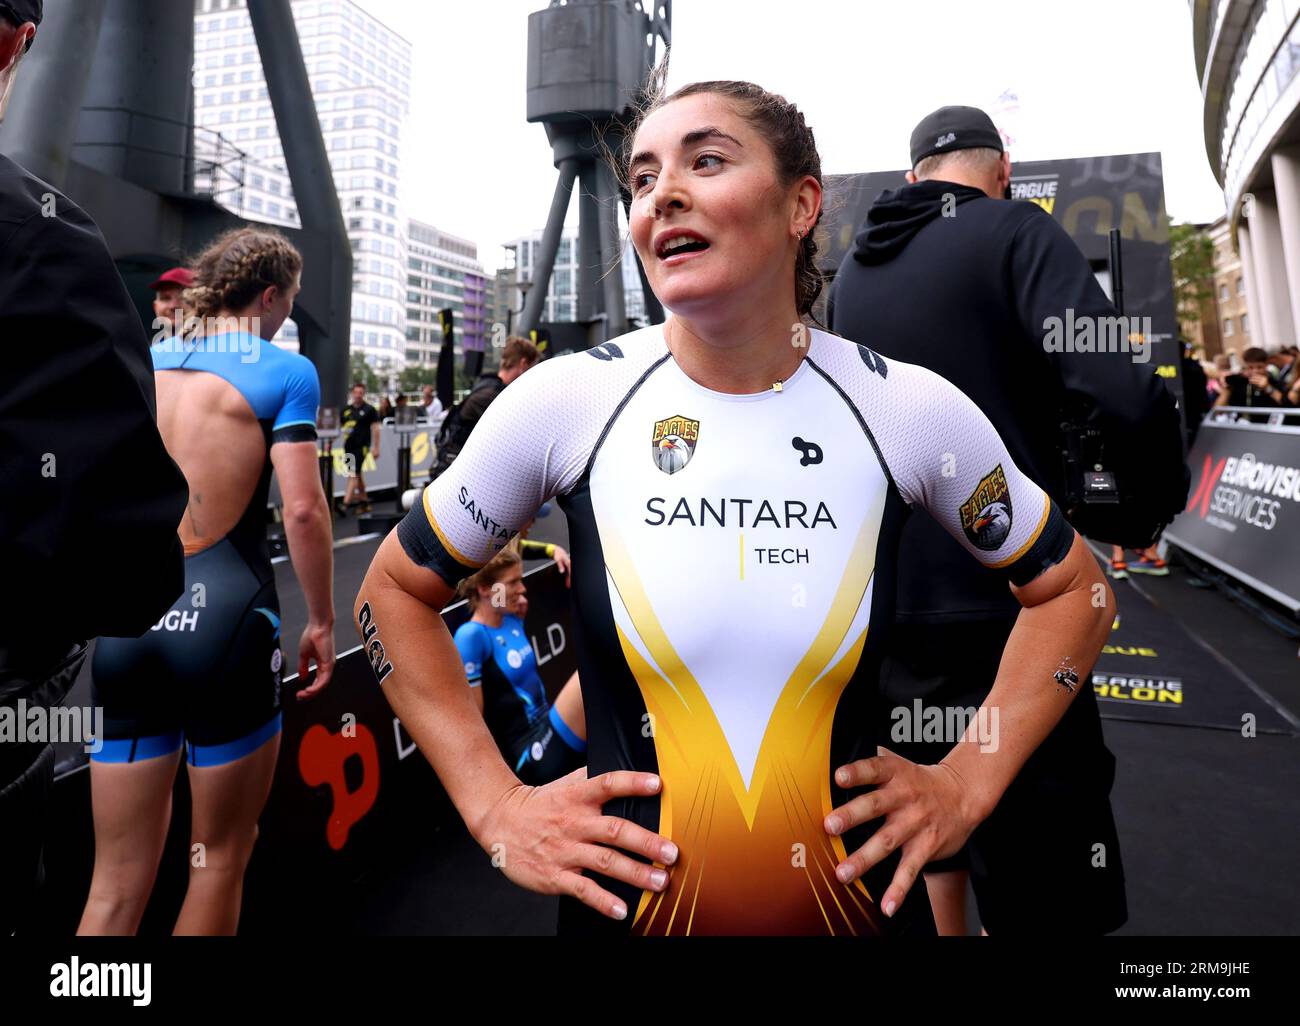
237	267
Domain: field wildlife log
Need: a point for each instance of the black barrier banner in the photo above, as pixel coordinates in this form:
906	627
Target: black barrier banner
350	778
1243	514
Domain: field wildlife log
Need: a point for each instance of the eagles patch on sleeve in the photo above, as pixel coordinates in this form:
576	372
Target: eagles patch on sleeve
986	513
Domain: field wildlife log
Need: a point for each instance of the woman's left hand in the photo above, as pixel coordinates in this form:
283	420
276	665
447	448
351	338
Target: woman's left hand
563	565
926	815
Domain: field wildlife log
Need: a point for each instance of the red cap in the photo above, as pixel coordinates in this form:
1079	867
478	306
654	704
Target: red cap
181	276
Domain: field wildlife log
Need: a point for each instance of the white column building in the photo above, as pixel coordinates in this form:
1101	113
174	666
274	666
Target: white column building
1247	56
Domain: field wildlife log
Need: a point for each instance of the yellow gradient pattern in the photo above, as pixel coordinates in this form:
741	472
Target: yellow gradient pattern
753	860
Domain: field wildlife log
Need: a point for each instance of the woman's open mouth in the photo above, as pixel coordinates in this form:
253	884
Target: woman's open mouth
678	245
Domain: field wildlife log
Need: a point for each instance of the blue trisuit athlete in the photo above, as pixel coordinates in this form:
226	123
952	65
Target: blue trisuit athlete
532	736
208	672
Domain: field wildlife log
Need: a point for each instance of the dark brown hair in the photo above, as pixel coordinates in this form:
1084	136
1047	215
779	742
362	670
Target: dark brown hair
238	266
491	572
787	135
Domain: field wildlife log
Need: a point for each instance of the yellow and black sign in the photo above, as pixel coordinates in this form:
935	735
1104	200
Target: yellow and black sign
1119	687
986	515
1037	189
673	442
1128	650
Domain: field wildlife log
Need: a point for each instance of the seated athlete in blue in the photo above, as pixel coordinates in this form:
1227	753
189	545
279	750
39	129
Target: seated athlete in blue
542	742
231	407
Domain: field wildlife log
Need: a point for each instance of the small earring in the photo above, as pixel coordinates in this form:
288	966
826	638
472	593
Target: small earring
799	233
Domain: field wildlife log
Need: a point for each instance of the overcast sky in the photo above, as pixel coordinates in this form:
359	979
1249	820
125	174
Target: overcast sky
1092	77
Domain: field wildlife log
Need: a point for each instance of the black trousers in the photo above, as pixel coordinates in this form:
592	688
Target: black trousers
1047	860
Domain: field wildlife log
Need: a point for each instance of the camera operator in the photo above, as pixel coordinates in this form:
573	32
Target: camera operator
947	275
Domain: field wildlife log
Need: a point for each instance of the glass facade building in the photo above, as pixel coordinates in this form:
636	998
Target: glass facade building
360	74
443	272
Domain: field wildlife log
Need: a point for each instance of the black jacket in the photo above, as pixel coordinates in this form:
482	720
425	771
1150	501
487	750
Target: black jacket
89	498
967	295
464	416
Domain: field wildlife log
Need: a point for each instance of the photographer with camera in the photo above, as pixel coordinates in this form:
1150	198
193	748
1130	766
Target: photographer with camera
947	275
1253	387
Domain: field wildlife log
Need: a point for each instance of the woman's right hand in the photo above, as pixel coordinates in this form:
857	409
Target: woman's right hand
316	644
544	837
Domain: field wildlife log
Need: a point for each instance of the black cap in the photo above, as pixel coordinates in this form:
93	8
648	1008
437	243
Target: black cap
953	128
23	10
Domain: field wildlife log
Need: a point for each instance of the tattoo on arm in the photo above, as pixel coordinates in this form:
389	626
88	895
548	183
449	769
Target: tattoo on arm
370	641
1066	675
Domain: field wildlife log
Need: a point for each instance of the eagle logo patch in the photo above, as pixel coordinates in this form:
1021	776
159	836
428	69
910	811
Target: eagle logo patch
986	515
673	442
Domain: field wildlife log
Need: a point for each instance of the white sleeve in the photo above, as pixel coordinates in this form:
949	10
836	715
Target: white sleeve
532	443
512	463
945	457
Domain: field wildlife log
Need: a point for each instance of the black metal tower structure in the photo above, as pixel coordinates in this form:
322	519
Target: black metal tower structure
103	110
588	60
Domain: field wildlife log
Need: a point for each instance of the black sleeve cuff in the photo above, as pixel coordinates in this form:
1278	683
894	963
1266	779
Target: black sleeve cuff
1050	547
294	433
422	546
